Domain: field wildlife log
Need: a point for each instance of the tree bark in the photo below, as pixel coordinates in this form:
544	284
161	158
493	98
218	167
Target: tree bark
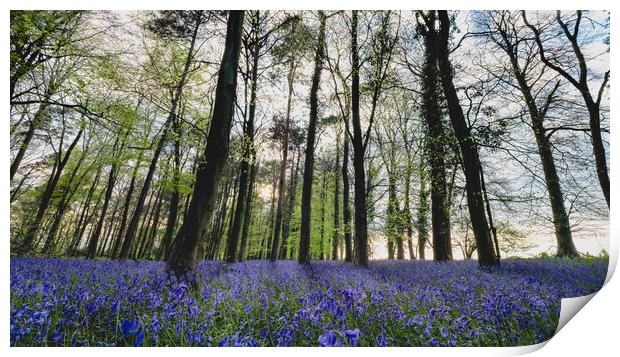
118	240
537	115
359	177
435	140
247	215
282	179
581	84
248	159
27	246
336	227
208	174
91	250
422	219
469	150
306	194
346	208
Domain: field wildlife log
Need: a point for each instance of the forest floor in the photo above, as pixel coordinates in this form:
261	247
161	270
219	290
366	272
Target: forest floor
57	302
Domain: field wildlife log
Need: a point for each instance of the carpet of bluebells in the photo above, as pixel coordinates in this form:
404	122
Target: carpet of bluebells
57	302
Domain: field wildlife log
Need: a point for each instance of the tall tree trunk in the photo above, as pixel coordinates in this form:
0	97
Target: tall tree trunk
406	206
209	172
175	197
75	240
282	179
290	206
176	98
108	232
346	208
422	219
469	150
27	246
219	233
323	197
62	205
435	140
269	234
145	253
91	250
560	217
306	194
118	240
361	223
336	228
581	84
38	118
248	159
247	214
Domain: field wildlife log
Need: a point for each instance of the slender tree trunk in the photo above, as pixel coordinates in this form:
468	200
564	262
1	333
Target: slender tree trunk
560	217
176	98
84	213
581	84
306	195
145	253
469	150
361	215
346	208
62	206
175	197
108	232
219	231
323	197
38	118
422	219
271	222
118	240
247	162
407	208
435	140
142	231
247	214
336	228
282	179
91	250
27	246
209	172
290	206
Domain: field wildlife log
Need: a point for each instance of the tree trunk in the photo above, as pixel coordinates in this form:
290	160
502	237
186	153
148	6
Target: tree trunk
336	227
469	150
435	140
175	197
176	98
361	223
248	159
118	240
560	217
282	179
38	118
75	240
247	215
91	250
323	197
406	206
290	206
346	208
27	246
422	220
202	205
306	194
66	196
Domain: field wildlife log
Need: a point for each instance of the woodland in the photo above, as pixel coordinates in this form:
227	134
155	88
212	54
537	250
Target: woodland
168	168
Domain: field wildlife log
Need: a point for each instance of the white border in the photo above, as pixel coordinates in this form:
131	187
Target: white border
593	331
